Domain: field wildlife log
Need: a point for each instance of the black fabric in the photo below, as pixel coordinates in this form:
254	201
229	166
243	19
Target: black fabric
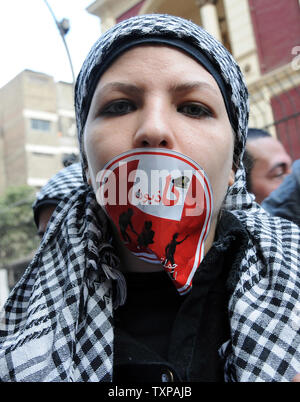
159	330
150	309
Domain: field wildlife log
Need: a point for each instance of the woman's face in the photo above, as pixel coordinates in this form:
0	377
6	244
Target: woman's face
157	96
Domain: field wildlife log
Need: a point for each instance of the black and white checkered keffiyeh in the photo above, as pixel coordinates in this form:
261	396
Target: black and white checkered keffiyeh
57	322
56	189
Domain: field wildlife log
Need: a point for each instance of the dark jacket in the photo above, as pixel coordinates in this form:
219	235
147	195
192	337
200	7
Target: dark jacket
161	336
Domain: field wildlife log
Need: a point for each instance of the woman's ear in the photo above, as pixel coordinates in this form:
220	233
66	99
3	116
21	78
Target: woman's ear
231	177
88	176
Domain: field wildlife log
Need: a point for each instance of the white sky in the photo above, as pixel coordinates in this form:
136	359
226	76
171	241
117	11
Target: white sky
29	38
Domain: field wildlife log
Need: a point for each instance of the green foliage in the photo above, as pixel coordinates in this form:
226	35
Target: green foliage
17	228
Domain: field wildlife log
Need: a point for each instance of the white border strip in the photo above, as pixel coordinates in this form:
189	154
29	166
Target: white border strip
39	114
46	149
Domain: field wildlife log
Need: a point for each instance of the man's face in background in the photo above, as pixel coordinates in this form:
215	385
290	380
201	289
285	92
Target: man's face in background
271	164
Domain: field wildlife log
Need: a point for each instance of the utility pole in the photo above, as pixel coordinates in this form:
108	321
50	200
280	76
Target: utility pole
63	27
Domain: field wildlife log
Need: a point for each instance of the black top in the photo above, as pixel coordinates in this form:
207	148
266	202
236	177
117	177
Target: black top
158	331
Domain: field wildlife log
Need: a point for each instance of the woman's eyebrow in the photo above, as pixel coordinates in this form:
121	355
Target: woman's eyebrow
133	90
121	87
192	85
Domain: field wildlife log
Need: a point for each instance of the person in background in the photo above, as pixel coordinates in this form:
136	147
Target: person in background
55	190
266	163
285	200
90	309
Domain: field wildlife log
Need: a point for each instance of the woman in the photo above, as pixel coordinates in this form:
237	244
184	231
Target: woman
87	308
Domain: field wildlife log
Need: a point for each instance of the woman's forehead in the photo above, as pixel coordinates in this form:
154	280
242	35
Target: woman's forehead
157	54
149	59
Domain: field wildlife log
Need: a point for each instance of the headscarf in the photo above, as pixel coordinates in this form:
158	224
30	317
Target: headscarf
56	189
57	322
176	32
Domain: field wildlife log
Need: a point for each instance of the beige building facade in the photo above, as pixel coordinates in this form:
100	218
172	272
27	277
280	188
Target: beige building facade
38	131
263	37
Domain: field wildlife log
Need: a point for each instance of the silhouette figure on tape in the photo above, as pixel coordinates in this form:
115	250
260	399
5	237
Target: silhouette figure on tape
146	237
124	222
170	252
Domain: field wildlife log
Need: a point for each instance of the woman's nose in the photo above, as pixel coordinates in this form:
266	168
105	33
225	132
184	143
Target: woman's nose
154	128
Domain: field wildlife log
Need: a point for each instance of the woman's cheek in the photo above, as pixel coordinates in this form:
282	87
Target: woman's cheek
220	175
93	152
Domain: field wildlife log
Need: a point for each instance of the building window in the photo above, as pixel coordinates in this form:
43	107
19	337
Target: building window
286	108
277	29
41	125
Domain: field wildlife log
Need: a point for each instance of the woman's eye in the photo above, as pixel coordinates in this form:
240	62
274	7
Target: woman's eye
118	107
195	110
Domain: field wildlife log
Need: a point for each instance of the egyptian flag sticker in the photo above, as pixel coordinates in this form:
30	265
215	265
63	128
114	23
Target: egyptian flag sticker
161	203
